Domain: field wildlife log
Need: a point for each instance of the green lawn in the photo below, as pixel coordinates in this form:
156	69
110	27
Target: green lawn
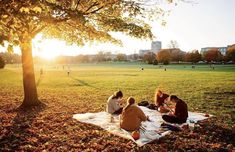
204	89
88	86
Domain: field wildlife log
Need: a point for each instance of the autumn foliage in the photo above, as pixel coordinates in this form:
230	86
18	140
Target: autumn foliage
230	55
149	57
163	56
213	55
193	56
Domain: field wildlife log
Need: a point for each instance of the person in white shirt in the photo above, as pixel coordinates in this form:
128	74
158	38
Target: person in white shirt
113	103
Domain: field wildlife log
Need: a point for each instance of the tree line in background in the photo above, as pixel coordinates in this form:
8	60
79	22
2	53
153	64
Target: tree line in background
164	56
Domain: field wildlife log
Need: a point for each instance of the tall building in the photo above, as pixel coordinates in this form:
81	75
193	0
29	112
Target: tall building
156	46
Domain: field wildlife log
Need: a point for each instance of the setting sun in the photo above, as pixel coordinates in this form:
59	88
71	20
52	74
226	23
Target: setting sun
47	49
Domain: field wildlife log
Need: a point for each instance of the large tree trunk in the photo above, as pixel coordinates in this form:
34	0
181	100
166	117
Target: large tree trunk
30	90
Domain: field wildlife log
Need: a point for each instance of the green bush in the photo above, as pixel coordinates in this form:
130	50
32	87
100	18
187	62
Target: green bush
2	63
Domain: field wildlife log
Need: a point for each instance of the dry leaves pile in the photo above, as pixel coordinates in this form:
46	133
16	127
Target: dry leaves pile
50	127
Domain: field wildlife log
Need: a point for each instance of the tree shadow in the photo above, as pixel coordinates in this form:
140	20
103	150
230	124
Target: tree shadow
20	132
82	83
39	80
221	93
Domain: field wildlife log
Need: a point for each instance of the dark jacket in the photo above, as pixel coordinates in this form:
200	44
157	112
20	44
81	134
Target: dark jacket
181	110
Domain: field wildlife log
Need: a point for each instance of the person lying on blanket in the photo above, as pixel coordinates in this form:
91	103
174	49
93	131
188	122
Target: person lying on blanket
160	99
132	116
113	103
180	113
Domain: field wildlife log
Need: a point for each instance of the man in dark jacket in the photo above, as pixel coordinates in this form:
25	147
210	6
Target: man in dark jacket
180	114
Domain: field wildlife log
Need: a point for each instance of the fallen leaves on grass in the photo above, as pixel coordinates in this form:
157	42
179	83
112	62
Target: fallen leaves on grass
51	128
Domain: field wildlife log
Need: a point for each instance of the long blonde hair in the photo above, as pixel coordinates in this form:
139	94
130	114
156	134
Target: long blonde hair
156	94
130	101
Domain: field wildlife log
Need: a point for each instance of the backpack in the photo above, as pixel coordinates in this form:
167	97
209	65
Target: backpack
143	103
152	106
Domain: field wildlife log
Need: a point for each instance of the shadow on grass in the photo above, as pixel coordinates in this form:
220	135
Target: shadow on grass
20	133
81	82
220	93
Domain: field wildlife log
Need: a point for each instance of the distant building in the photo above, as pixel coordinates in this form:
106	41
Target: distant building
156	46
223	50
142	52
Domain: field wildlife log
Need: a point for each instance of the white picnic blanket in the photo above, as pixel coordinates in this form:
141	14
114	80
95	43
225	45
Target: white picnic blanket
153	130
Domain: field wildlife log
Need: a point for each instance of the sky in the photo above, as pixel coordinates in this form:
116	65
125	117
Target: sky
204	23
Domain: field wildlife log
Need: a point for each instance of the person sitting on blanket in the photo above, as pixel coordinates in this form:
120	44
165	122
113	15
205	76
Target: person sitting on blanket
180	114
160	99
113	103
132	116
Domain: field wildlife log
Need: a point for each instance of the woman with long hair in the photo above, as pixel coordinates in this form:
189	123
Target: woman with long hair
160	99
113	103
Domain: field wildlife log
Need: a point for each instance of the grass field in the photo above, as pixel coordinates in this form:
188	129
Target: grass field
88	86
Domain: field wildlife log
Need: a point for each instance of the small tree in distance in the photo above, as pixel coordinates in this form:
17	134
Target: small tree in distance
164	56
230	54
173	44
149	57
193	56
121	57
213	55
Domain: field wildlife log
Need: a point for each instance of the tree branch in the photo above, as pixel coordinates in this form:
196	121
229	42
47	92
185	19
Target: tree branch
94	11
77	4
94	4
36	31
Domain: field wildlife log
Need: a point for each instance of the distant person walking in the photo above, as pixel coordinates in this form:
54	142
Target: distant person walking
113	103
41	71
69	71
180	113
213	66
